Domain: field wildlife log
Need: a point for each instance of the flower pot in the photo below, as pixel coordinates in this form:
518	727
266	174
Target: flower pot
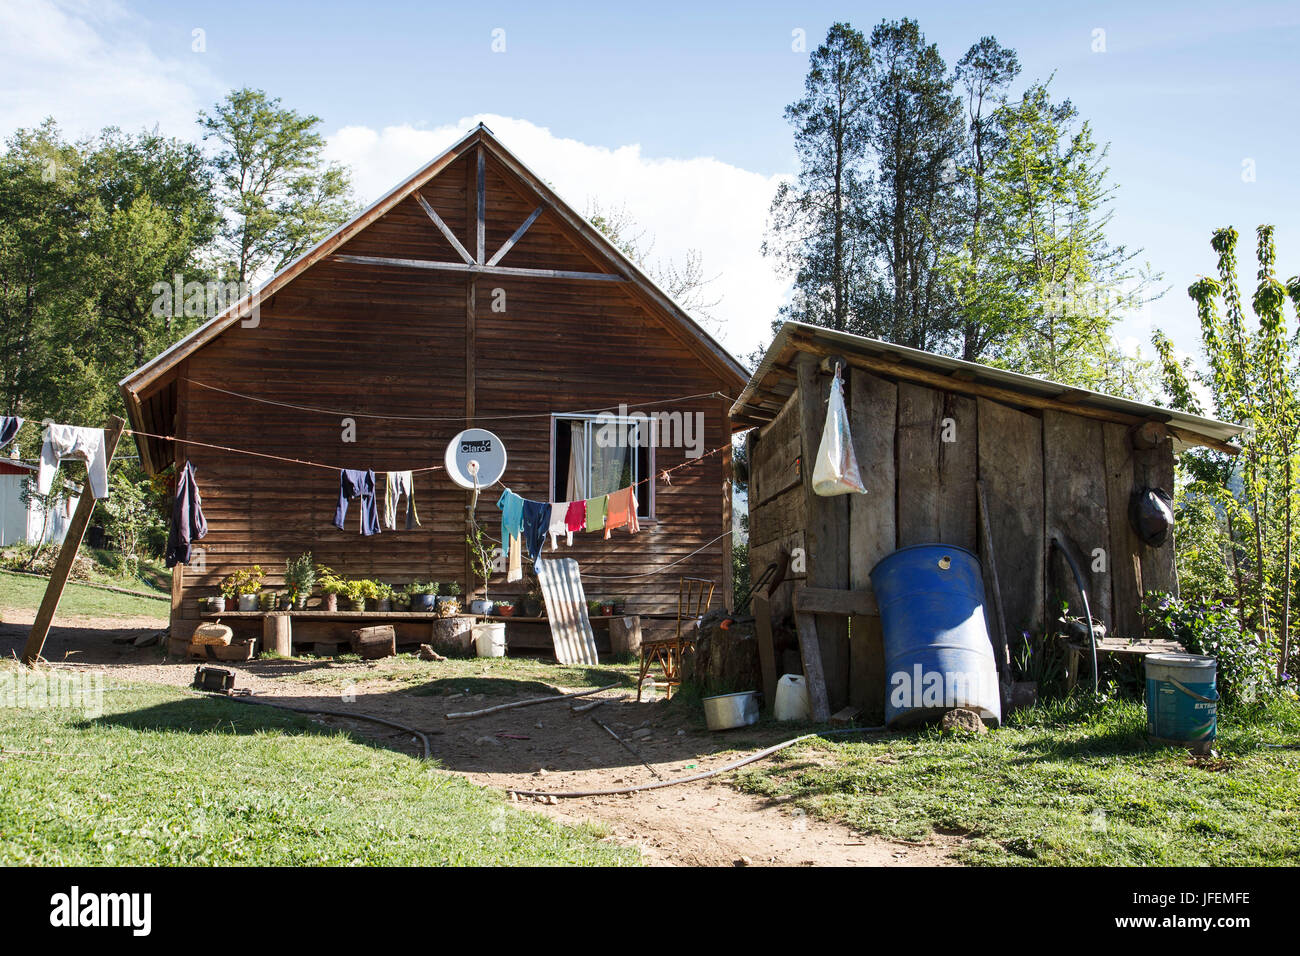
505	610
607	610
331	602
300	602
480	607
217	604
384	604
422	602
359	604
248	602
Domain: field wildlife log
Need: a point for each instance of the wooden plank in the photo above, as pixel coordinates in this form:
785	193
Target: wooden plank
515	237
937	465
873	531
481	189
1124	545
1011	471
68	552
475	269
812	600
762	611
811	652
827	527
566	607
1154	467
1074	478
444	229
993	584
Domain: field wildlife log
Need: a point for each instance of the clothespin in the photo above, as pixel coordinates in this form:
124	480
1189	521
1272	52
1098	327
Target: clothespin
666	477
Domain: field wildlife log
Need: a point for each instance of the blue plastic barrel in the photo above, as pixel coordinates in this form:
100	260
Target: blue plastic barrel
937	650
1182	699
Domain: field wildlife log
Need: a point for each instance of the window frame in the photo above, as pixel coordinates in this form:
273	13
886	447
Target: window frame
648	478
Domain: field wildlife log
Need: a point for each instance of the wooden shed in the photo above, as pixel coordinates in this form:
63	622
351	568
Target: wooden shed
469	295
1055	462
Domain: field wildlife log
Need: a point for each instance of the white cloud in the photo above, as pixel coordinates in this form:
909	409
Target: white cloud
89	65
698	203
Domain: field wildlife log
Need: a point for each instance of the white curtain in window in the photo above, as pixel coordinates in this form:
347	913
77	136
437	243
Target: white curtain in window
576	487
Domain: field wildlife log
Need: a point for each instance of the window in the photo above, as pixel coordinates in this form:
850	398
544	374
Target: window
593	455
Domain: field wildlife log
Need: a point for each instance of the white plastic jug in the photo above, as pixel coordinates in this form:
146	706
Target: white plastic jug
490	639
792	698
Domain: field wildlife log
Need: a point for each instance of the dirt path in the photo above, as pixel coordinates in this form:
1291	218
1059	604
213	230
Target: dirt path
546	747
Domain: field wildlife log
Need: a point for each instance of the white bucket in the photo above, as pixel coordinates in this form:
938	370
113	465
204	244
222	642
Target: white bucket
792	698
490	639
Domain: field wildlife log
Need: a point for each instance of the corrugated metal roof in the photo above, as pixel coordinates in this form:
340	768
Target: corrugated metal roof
771	382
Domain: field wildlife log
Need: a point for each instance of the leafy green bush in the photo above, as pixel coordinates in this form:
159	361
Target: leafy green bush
1245	672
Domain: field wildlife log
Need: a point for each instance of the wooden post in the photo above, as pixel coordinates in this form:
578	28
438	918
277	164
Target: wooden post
625	635
68	551
277	634
762	608
827	540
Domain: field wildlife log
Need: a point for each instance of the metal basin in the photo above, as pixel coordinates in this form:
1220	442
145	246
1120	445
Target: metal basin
731	710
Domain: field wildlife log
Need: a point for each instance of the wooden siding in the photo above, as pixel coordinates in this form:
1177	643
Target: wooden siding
380	340
1046	474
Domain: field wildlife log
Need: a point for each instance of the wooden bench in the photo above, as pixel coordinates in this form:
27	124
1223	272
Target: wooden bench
615	631
1115	645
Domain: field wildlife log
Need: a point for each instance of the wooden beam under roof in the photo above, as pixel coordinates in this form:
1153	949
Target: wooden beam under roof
518	234
475	269
443	228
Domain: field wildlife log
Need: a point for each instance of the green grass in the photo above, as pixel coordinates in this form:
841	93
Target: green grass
24	591
165	777
1067	784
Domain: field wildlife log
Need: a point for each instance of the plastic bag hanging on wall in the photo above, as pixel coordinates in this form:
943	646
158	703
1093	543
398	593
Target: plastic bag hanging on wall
836	470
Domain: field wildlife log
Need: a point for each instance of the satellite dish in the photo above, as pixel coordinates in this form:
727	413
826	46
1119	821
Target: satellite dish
475	458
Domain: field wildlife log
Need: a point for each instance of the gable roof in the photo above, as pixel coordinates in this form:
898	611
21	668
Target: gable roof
147	376
772	384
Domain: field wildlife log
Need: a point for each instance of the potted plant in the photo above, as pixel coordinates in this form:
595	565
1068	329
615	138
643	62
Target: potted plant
383	596
402	598
505	608
360	591
266	601
331	586
480	552
449	606
285	601
620	604
243	585
424	596
300	578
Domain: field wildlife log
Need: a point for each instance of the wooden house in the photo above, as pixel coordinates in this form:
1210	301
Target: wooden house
470	295
1055	463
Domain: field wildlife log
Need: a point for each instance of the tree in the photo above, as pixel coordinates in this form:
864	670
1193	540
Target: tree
817	221
985	73
915	133
1253	377
279	194
684	280
1063	283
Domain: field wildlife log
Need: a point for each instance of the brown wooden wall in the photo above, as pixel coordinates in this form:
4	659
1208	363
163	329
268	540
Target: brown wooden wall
379	340
1045	473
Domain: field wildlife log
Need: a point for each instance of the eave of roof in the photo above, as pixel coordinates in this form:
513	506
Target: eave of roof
796	337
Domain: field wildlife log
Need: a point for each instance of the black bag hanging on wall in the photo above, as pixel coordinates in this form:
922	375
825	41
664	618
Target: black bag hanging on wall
1151	513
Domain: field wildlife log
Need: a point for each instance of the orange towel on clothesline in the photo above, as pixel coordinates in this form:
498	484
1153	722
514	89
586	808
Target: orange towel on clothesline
621	511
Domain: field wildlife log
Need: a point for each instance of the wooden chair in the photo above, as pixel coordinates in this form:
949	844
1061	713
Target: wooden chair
693	598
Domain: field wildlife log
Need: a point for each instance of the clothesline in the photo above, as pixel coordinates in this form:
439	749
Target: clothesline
259	454
450	418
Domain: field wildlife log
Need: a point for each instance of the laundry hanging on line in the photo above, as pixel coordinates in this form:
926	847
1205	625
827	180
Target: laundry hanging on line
83	444
354	483
9	425
399	483
188	524
620	511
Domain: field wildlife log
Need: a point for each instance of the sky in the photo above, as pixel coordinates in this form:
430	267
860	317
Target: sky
674	111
